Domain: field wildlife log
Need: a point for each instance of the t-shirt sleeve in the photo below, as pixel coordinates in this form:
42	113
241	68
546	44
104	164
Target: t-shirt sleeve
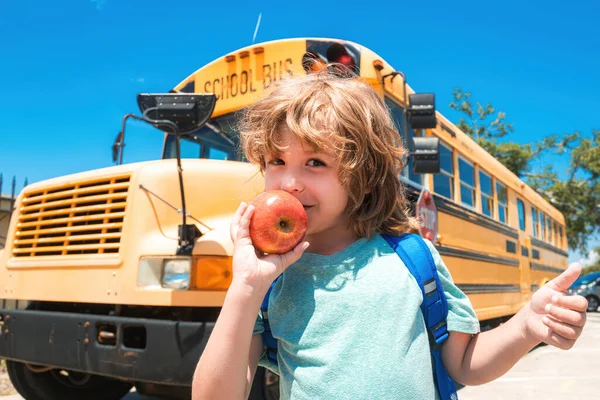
461	315
263	361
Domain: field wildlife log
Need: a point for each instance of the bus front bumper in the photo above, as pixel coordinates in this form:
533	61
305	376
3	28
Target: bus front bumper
136	349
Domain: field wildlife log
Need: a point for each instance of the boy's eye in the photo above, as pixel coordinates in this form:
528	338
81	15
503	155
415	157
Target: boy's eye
316	163
275	161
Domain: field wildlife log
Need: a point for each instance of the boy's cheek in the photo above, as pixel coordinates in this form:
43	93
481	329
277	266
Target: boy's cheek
270	181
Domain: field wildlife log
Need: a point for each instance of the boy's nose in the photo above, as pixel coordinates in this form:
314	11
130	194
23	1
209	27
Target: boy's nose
290	183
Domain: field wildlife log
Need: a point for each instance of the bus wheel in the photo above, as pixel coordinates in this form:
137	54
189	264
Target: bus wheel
38	383
265	385
593	303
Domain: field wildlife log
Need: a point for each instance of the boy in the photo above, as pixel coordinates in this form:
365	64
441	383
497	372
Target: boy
346	312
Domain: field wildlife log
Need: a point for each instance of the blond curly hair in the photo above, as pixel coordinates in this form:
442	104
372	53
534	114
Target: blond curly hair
326	110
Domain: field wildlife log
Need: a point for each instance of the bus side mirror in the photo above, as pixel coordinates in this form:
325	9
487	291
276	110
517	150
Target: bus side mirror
421	111
176	113
426	155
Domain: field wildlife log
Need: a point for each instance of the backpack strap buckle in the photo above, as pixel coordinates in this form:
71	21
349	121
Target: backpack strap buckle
438	335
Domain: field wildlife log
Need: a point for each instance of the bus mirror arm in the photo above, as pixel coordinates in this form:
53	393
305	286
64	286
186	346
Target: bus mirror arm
177	114
119	143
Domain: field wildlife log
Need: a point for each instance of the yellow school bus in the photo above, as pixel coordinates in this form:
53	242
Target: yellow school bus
115	300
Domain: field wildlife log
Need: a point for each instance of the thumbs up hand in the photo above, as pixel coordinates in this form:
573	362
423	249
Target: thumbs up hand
554	316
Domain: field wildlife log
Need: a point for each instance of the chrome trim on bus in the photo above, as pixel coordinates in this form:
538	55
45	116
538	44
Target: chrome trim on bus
541	267
449	207
471	255
486	288
538	243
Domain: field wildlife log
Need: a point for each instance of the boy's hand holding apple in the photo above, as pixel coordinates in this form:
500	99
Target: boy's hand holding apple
273	223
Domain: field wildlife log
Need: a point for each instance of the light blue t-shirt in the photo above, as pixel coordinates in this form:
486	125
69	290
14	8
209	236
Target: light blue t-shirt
349	325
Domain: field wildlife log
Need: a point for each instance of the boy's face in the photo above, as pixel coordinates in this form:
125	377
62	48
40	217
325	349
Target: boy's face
312	178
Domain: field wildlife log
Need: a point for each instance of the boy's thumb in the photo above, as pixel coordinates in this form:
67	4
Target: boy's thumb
566	279
292	256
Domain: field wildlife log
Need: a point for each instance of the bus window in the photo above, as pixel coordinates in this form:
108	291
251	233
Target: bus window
502	203
189	149
543	230
411	175
216	154
555	229
549	229
397	114
487	198
534	220
466	173
521	208
443	183
560	236
218	139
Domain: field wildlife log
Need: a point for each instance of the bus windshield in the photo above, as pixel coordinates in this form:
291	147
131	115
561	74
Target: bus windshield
218	140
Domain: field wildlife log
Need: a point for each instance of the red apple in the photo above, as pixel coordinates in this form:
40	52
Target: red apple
278	223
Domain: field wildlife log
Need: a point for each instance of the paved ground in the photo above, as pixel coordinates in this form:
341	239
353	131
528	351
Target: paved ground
545	373
550	373
130	396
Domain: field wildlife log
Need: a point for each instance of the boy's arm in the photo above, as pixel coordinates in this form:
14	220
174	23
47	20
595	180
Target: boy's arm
551	316
484	357
256	350
228	358
228	361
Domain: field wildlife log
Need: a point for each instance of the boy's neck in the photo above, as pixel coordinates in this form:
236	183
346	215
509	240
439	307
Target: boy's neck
330	242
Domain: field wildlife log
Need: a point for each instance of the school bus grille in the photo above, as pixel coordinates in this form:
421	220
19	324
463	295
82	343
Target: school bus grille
72	219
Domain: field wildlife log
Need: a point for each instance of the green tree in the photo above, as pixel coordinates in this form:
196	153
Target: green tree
594	267
485	125
575	193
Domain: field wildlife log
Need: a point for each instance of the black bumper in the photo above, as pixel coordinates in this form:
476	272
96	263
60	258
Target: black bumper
163	351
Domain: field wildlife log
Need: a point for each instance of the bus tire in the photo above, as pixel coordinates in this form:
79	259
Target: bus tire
265	385
51	385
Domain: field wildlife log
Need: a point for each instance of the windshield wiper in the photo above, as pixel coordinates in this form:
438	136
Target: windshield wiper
220	133
179	210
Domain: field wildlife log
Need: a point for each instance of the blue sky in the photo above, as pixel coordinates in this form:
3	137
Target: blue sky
71	69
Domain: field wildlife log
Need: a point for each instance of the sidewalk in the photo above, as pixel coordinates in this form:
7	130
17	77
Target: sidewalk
550	373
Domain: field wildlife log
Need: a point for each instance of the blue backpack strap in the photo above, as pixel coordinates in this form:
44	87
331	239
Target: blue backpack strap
418	259
267	336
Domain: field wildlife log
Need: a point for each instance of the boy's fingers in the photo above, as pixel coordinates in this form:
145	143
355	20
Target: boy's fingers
570	317
566	279
575	302
235	221
292	256
566	331
558	341
244	225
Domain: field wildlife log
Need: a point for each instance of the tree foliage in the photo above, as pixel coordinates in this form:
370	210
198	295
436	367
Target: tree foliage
595	267
575	192
589	270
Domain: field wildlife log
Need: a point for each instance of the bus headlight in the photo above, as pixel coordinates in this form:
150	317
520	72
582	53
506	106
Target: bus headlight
168	273
176	274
